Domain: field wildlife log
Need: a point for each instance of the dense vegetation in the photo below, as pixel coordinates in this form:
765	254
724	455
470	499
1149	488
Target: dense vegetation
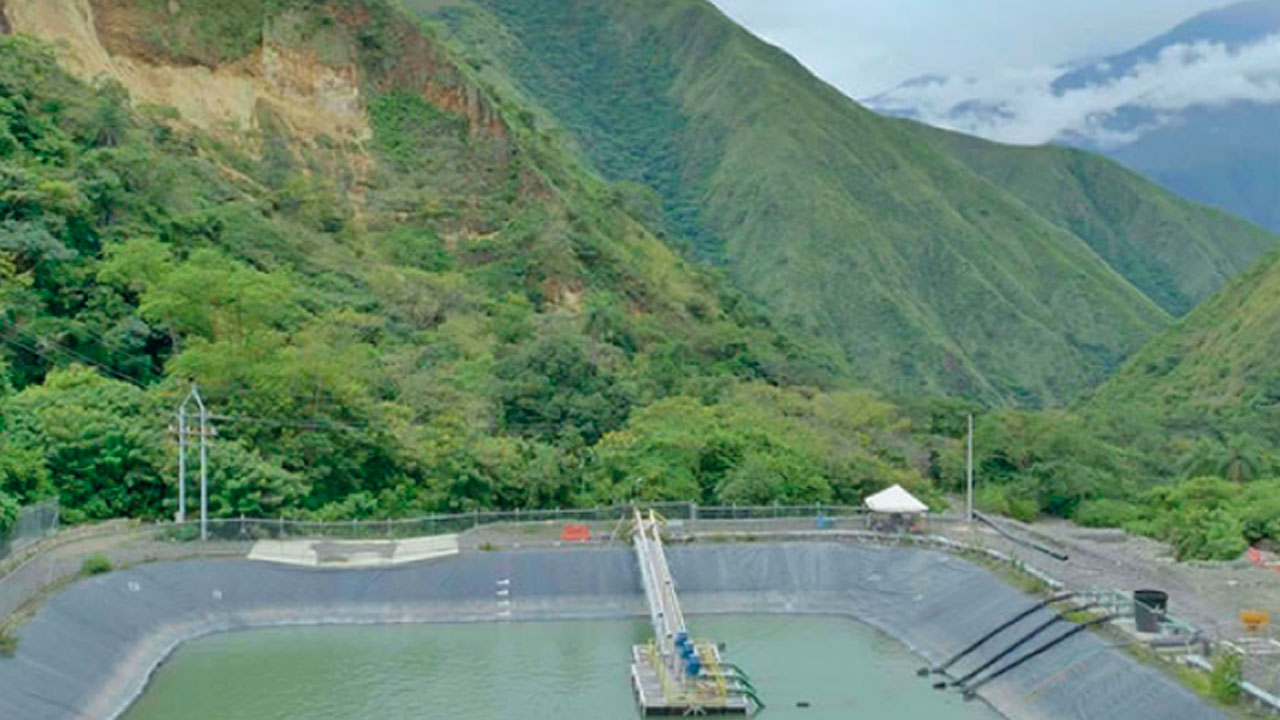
473	322
1183	444
454	314
1176	253
1207	495
929	271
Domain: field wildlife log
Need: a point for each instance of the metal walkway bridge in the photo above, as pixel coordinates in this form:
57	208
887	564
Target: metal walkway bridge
673	674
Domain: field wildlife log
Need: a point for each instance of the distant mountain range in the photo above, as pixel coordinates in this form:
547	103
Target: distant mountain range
1195	109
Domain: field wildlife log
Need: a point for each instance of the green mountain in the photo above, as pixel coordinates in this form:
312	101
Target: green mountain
1214	373
395	296
931	270
1176	252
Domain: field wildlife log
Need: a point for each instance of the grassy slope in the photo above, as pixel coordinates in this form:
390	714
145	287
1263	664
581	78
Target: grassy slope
929	277
1215	371
1177	252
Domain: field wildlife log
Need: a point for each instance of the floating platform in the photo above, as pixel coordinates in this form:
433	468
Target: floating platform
658	695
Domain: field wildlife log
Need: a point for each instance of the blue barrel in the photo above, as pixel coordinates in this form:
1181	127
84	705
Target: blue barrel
693	666
686	651
682	637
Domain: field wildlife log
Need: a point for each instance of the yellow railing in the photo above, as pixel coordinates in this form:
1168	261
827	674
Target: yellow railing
668	694
711	661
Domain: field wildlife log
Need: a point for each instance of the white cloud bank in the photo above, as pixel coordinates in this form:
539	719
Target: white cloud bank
1020	107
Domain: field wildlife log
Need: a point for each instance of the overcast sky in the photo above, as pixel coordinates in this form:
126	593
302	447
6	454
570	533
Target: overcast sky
867	46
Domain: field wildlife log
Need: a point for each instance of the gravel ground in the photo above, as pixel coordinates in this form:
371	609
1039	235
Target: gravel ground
1208	595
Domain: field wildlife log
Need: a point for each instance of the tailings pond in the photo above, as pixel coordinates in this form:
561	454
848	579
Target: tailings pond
542	671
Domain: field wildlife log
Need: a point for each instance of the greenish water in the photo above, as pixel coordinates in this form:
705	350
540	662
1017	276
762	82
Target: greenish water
542	671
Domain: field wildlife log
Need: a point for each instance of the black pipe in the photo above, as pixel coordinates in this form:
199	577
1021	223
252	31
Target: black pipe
1025	639
969	691
1019	541
1004	626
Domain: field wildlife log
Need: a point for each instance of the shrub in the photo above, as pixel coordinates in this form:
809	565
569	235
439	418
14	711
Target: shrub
1226	676
96	565
8	641
1007	501
1106	513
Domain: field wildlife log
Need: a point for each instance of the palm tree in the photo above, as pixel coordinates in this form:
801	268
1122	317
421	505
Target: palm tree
1243	458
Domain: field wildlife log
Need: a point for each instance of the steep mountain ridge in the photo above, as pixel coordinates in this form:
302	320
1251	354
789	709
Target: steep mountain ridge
446	312
1216	372
928	277
1176	253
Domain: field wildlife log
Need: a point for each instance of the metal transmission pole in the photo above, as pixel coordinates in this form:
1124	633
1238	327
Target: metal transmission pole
969	474
204	464
205	431
182	461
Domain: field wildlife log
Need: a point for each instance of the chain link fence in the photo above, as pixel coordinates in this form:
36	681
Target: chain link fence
679	515
35	523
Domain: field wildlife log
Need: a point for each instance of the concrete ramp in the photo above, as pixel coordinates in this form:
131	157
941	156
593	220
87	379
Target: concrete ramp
354	553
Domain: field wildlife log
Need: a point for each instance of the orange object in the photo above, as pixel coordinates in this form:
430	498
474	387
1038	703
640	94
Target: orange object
575	532
1255	620
1255	556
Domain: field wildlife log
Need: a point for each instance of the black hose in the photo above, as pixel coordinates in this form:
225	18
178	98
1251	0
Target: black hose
996	631
969	691
1025	639
1019	541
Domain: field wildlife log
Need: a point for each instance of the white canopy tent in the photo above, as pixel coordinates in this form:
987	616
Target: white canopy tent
895	501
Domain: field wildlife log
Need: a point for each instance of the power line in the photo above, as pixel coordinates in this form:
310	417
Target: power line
119	375
303	424
315	424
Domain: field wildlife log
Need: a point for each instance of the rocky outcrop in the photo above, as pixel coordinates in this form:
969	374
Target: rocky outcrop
316	83
424	67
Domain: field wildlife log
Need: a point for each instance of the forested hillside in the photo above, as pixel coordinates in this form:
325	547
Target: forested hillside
1217	372
928	274
1182	444
400	289
1175	252
396	296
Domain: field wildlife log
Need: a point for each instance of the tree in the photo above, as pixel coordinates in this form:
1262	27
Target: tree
1244	459
8	513
553	385
778	477
215	298
101	441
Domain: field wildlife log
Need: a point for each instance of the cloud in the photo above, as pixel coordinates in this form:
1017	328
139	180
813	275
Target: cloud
1020	106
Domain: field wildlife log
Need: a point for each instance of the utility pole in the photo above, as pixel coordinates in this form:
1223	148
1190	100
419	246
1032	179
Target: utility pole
969	474
205	431
182	462
204	463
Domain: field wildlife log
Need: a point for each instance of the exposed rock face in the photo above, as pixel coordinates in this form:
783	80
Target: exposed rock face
311	94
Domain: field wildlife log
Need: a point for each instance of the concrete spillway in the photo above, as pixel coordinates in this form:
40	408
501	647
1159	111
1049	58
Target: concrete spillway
89	651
